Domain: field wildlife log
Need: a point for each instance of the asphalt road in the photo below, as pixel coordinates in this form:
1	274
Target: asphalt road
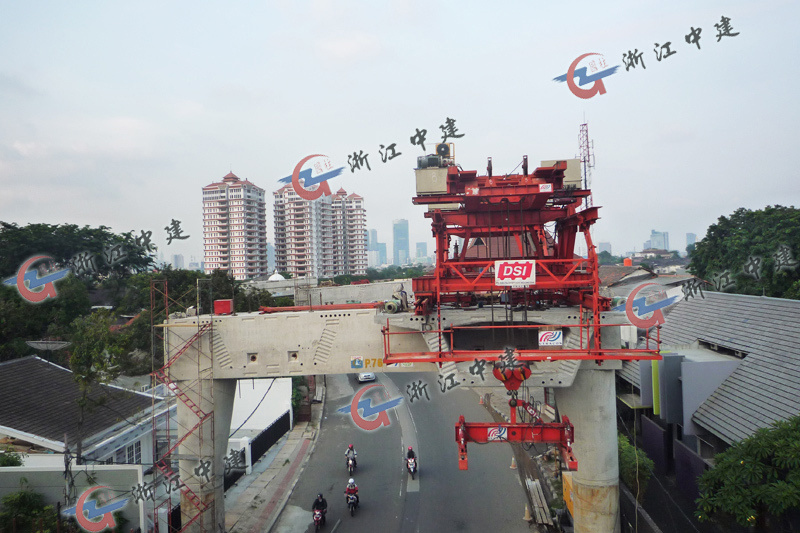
487	497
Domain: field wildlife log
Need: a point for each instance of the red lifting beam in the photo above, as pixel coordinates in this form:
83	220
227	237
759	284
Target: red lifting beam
483	432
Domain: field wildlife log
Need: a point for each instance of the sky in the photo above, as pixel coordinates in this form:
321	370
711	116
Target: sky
118	114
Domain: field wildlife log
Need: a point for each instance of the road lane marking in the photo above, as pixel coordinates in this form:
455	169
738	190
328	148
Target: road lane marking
408	432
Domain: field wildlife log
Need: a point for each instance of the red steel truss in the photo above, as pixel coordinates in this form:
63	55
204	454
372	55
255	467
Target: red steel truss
483	432
527	221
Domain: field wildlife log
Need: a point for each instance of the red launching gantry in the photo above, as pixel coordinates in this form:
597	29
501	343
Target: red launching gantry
517	237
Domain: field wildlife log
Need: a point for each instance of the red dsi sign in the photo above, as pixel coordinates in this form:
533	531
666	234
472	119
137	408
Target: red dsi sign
520	273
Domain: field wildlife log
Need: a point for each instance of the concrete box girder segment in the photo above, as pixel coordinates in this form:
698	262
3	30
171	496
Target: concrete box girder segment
315	342
320	341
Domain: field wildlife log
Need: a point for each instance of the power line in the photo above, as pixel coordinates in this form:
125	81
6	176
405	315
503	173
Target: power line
254	410
653	476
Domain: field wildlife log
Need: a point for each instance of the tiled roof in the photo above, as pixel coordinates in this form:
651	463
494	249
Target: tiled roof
40	398
611	274
766	385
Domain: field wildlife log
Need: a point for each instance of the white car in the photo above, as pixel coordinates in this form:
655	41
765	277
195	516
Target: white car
366	376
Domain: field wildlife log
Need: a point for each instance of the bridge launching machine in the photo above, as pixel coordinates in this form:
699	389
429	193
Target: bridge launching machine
508	295
510	239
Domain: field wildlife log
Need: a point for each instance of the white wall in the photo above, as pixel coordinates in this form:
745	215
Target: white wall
250	401
49	482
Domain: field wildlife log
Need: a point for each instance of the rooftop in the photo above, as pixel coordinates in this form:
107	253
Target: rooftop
40	398
766	333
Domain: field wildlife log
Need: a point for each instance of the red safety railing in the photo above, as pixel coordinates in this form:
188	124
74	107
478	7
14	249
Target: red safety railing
583	351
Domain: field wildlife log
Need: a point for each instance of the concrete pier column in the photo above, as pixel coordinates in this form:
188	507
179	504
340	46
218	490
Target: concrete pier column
590	405
203	452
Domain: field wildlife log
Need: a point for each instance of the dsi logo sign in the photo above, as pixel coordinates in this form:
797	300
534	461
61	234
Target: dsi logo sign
596	78
321	172
551	338
515	273
368	410
34	281
91	510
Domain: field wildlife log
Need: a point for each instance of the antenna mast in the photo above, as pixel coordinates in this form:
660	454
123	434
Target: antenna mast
587	159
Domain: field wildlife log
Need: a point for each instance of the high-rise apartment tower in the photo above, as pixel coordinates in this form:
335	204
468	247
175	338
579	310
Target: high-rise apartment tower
235	228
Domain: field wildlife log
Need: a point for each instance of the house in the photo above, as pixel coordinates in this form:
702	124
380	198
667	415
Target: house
731	366
39	409
39	415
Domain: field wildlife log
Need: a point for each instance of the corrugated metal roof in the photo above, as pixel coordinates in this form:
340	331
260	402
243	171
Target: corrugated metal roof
40	398
630	373
766	385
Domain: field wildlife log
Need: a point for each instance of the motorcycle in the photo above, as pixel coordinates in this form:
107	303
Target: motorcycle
352	503
411	464
351	465
317	519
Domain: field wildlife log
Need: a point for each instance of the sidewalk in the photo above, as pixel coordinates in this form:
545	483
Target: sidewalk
255	502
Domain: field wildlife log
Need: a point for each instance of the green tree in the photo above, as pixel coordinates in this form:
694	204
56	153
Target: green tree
95	354
22	321
22	510
63	242
250	300
752	238
605	258
757	480
635	468
11	458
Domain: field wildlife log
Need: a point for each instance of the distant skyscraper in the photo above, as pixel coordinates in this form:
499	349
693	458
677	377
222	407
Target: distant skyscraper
659	240
372	242
383	257
422	250
322	238
400	242
691	238
194	264
604	247
177	262
235	228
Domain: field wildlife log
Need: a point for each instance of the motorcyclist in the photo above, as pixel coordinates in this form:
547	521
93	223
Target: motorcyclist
321	504
351	488
411	455
351	452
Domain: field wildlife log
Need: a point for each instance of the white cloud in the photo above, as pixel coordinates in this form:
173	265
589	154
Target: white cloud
349	48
